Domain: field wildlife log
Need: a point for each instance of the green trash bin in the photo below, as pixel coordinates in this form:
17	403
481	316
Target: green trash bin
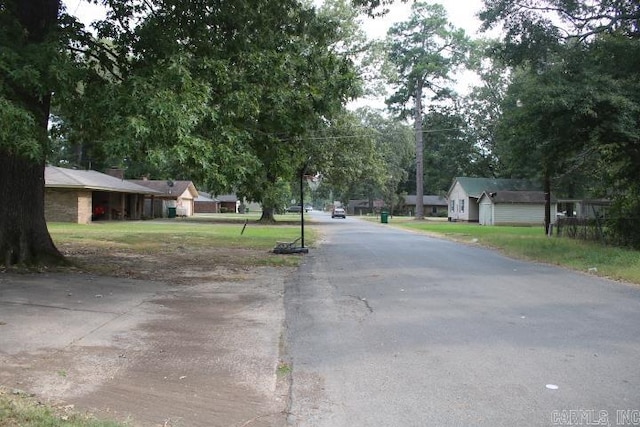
384	217
171	212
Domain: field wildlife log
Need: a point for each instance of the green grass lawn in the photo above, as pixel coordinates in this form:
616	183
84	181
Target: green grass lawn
531	243
224	233
153	234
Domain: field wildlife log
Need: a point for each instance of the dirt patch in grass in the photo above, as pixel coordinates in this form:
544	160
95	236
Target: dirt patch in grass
175	264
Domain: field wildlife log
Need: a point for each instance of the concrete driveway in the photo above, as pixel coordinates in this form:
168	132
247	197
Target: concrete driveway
151	353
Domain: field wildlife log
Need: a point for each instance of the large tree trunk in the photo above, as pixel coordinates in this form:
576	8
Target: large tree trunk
24	237
267	215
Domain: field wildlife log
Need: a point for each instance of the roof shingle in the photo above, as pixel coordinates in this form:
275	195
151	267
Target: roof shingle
165	187
57	177
474	187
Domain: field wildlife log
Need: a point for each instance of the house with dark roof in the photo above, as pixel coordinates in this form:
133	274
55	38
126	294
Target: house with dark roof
206	203
514	208
170	198
229	203
364	206
82	196
432	205
465	192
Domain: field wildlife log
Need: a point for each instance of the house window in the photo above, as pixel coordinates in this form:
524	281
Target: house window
452	207
434	210
461	204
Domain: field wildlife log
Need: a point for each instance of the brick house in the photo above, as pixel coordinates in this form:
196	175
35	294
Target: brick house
83	196
206	203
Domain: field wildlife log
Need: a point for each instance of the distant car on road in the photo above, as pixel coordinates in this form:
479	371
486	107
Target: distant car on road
338	213
308	208
294	208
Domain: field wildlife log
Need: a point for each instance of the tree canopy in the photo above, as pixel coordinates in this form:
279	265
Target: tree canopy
424	50
223	91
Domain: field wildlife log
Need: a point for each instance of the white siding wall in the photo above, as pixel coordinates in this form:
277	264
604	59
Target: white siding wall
185	204
457	195
485	216
520	214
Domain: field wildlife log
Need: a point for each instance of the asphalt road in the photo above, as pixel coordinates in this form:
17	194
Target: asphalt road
393	328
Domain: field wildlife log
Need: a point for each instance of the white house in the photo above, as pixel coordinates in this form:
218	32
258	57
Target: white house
464	193
513	208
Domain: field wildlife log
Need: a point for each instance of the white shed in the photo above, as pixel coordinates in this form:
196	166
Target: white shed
513	208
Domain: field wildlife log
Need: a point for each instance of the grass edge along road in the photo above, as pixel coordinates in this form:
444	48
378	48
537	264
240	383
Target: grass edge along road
530	243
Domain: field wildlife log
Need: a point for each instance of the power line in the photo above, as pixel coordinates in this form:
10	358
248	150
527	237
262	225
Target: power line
316	138
75	11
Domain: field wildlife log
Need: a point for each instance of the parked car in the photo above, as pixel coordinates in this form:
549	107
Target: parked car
294	208
338	213
308	208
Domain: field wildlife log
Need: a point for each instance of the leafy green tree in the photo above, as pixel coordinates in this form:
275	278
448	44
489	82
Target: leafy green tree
552	118
450	149
425	51
346	155
311	81
29	46
533	27
482	106
394	141
616	60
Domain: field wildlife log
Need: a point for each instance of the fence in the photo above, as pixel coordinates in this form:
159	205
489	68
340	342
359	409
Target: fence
581	228
623	232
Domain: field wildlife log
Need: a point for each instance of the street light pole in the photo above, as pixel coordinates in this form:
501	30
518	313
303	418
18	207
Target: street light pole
302	171
302	205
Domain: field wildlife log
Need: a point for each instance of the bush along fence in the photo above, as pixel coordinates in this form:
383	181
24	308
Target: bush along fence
601	230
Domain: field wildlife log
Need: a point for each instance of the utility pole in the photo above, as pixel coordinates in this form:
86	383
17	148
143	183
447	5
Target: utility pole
419	152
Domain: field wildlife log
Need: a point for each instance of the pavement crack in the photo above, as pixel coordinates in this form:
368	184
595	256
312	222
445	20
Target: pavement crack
57	307
363	300
116	317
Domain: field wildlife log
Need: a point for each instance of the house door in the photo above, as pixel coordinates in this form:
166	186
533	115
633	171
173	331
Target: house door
485	214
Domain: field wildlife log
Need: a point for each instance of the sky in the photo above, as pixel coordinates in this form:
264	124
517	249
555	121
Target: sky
461	13
84	11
